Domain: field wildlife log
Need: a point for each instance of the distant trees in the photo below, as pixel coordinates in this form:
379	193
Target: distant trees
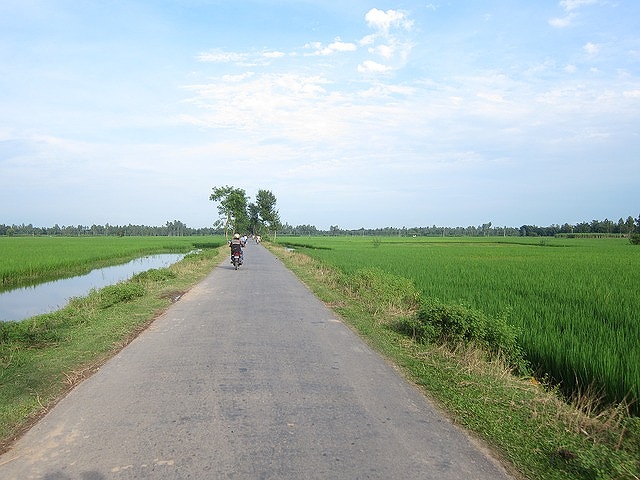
232	207
237	214
628	226
600	228
267	214
169	229
634	238
254	218
302	230
593	228
176	228
261	217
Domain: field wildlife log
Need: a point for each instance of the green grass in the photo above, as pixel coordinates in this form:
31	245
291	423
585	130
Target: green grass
44	356
527	426
573	301
31	260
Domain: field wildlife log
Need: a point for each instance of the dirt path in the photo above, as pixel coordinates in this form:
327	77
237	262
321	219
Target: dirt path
248	376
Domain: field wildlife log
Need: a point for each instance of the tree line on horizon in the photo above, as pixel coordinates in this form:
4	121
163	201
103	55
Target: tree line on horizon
174	228
593	228
606	227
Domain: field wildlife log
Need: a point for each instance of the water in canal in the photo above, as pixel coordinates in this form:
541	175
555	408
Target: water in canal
48	297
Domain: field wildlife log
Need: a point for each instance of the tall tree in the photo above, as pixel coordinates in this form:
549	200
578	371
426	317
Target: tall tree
232	207
254	218
266	204
629	224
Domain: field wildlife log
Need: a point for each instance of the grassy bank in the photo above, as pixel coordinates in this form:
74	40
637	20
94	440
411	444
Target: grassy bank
43	357
527	425
31	260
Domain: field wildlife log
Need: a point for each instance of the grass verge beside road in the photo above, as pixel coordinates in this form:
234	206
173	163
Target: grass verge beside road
528	426
43	357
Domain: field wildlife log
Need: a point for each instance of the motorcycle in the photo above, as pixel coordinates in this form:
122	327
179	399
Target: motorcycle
236	259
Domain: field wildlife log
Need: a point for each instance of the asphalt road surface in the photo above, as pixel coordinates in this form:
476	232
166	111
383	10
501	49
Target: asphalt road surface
248	376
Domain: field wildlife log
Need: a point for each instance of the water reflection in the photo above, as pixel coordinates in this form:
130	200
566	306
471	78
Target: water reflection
48	297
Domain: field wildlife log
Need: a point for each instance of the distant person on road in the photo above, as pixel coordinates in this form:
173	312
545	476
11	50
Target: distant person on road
236	246
243	240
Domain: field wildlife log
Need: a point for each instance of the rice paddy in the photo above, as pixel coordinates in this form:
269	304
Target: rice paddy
574	301
31	260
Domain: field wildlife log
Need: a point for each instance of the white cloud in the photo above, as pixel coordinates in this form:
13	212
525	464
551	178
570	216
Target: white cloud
339	46
632	94
322	168
237	78
394	49
383	21
274	54
538	68
492	97
313	45
219	56
591	49
570	5
561	22
292	105
335	46
368	40
369	66
385	51
379	91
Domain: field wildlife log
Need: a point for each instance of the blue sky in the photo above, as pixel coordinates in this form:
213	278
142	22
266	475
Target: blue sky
353	113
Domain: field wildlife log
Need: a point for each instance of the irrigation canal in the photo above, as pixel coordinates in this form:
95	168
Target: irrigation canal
26	302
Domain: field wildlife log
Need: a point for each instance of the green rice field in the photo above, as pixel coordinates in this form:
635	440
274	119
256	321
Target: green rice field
30	260
575	301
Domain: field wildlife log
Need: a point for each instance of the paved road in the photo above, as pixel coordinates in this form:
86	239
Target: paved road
248	376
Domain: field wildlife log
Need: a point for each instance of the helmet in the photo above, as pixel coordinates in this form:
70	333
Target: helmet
237	235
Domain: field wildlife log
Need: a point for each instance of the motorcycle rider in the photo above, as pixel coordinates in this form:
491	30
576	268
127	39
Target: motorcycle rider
236	246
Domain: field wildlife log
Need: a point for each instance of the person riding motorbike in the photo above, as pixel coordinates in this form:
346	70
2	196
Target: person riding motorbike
236	246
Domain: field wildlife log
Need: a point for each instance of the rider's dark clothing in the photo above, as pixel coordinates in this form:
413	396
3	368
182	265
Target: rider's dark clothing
235	246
